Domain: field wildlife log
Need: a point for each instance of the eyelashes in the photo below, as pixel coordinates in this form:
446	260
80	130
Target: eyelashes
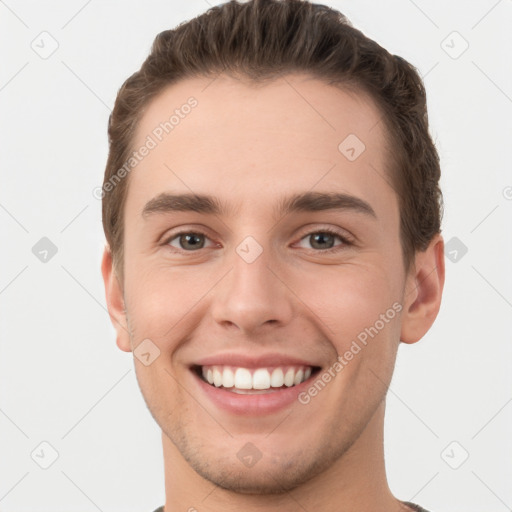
332	233
190	238
185	236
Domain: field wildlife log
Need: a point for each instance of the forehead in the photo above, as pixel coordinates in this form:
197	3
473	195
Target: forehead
236	140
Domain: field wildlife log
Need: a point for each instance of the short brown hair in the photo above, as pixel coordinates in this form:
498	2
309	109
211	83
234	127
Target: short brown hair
261	40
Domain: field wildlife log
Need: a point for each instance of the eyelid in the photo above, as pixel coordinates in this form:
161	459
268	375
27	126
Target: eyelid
342	233
173	233
346	238
168	238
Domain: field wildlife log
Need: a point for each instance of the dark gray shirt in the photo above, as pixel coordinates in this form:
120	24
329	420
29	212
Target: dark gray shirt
417	508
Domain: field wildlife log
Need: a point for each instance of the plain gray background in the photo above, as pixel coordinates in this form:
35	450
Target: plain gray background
62	379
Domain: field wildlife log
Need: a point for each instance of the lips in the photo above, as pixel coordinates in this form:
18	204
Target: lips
261	361
243	384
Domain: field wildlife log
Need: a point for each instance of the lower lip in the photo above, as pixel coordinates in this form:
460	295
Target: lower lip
256	404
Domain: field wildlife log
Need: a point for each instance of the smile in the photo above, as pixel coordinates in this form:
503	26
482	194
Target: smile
255	380
254	391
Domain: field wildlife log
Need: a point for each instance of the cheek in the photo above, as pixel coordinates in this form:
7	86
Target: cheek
162	301
351	298
362	309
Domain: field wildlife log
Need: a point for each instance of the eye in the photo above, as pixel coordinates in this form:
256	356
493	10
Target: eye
324	240
188	241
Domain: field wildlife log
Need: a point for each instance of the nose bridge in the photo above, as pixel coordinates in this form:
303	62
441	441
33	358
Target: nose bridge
252	295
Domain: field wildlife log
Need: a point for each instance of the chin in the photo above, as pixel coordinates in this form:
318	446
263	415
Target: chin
271	475
255	481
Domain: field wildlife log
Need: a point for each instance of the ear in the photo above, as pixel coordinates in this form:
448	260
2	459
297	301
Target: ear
423	291
115	301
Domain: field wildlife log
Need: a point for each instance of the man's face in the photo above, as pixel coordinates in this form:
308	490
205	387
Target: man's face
255	281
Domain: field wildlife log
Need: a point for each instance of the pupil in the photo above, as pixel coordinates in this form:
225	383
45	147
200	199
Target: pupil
188	239
318	239
322	237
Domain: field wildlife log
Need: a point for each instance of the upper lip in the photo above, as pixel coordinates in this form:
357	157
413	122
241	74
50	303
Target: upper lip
245	361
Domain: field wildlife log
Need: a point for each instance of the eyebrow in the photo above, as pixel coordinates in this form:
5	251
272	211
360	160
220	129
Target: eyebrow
303	202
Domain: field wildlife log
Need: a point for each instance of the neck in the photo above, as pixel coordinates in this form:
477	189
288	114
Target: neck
358	477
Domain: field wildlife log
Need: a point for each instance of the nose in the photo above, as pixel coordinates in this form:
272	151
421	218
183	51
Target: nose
253	296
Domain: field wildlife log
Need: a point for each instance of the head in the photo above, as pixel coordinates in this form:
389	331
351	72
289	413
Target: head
282	110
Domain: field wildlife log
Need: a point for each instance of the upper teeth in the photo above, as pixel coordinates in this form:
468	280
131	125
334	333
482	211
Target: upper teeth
256	378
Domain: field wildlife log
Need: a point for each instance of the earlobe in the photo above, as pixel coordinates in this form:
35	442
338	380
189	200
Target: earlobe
423	292
115	301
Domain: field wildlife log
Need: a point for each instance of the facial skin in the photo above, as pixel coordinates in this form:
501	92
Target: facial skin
250	147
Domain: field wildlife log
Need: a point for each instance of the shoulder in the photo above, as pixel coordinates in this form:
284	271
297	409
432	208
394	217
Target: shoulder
413	506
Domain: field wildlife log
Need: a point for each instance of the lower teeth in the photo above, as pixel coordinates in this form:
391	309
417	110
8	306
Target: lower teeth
251	391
